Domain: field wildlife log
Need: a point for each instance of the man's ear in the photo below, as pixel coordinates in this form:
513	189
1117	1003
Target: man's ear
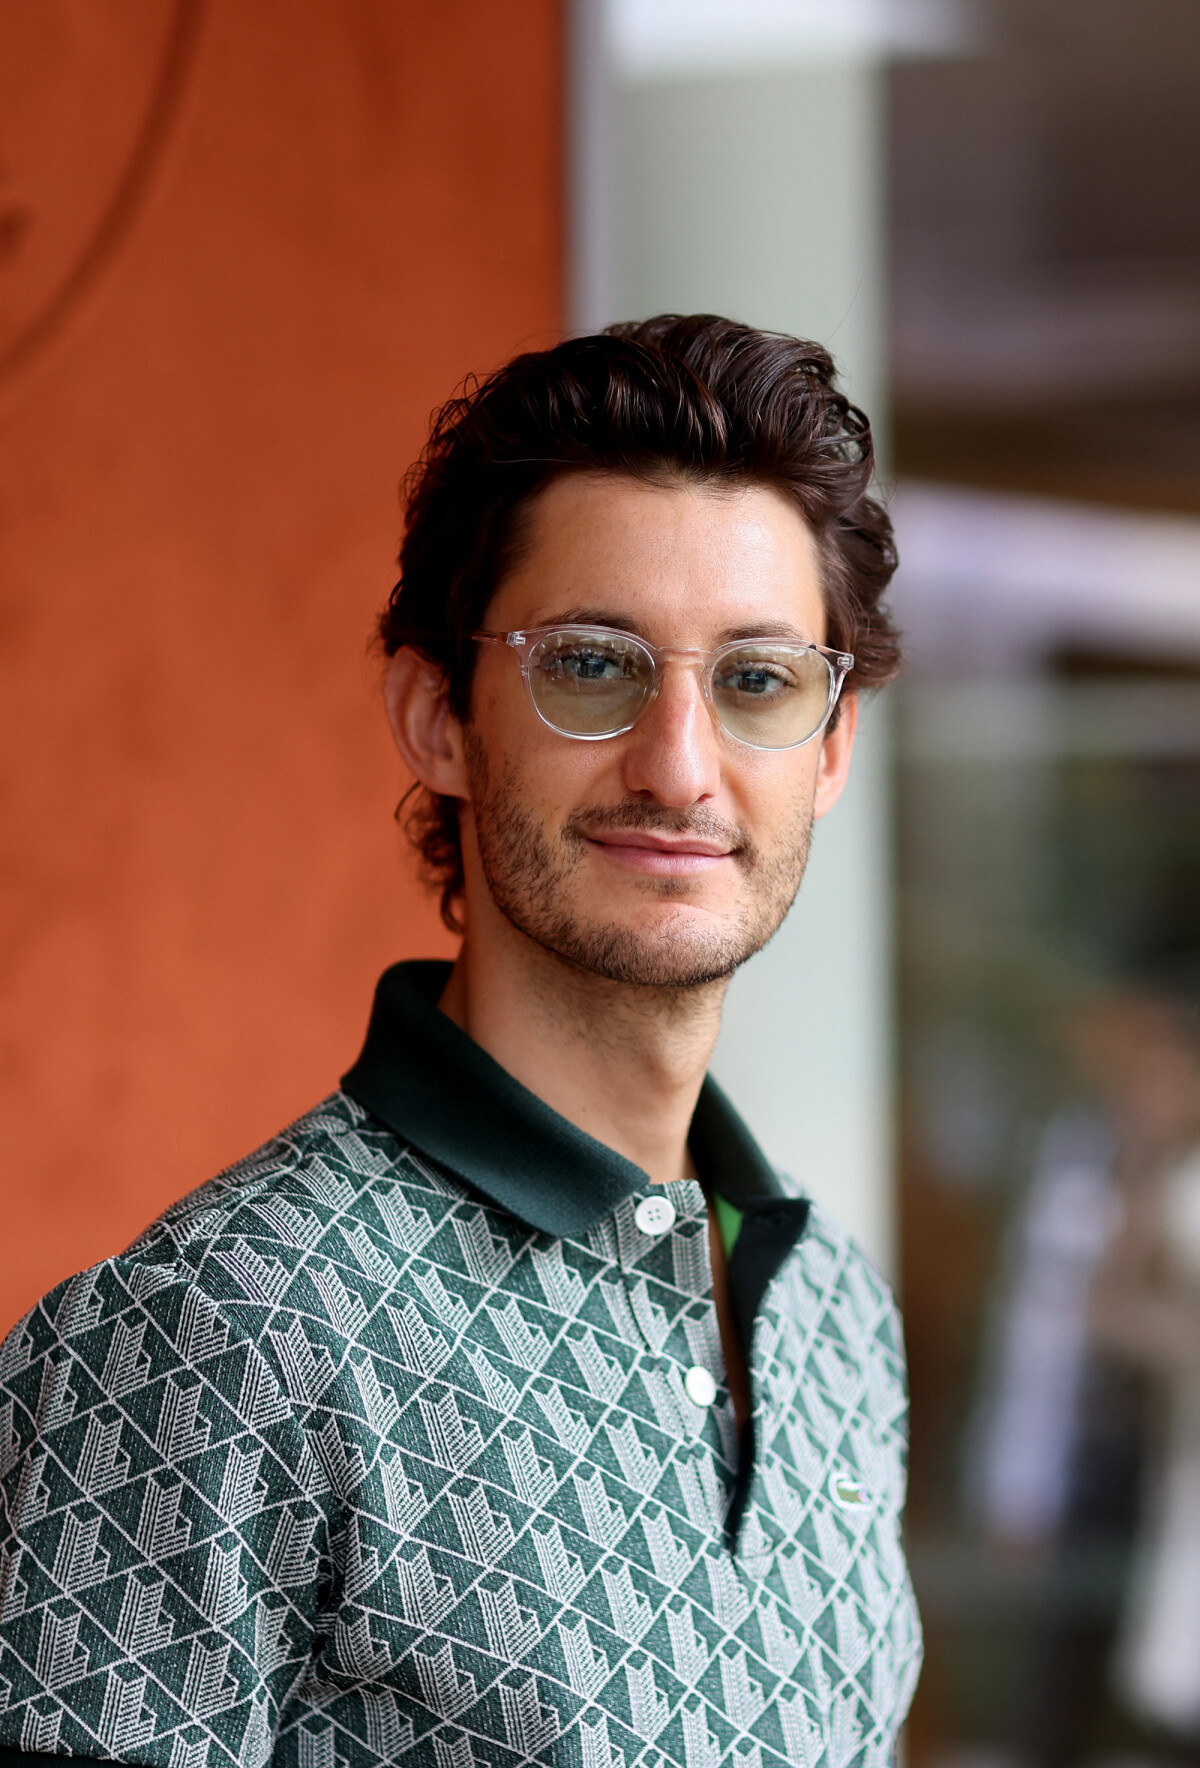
427	734
837	746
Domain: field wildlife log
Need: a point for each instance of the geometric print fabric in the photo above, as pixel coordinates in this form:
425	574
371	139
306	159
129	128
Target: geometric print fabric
340	1465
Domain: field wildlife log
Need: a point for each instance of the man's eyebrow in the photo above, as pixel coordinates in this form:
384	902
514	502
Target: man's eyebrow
620	622
593	617
766	629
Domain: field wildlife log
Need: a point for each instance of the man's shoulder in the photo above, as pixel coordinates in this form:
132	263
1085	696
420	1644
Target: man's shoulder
332	1190
334	1165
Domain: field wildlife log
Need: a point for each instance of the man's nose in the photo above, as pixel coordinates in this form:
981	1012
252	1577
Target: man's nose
673	752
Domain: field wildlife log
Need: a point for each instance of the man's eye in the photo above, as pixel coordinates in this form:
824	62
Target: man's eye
587	665
757	679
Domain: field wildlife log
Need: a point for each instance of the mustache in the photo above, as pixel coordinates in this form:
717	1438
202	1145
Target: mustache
660	819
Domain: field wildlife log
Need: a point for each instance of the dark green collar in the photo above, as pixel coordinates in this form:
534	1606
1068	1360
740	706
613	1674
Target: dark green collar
434	1087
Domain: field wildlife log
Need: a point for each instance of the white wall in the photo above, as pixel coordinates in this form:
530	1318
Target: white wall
755	191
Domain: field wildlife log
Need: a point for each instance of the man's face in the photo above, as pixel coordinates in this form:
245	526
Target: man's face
668	855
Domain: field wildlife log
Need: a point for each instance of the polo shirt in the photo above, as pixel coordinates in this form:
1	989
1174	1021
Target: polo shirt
407	1440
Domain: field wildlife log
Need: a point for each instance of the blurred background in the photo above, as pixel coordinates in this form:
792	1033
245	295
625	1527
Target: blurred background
244	251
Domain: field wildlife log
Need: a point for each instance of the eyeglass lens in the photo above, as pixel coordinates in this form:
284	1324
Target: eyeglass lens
771	694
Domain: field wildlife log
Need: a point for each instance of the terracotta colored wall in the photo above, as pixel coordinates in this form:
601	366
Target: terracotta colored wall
245	247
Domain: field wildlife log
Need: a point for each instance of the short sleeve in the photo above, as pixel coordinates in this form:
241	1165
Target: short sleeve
163	1559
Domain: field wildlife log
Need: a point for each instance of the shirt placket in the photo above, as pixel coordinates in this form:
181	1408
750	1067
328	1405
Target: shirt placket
759	1532
663	1248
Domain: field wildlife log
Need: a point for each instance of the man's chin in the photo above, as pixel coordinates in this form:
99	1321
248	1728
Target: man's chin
685	932
681	951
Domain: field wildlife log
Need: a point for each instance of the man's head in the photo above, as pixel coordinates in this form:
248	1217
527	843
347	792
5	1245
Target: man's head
690	482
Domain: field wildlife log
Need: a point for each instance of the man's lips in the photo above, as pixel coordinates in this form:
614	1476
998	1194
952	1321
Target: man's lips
645	850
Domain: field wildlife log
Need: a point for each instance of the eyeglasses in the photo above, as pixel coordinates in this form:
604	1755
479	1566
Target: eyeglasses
594	682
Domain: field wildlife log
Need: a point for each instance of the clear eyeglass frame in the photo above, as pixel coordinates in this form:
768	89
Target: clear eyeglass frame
525	641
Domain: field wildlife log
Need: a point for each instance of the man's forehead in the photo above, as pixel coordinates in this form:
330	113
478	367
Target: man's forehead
578	501
612	550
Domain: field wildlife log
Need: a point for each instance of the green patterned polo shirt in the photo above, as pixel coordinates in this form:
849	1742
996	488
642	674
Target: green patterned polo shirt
406	1440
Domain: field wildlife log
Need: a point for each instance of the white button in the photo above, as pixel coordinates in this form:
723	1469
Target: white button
654	1215
847	1491
701	1388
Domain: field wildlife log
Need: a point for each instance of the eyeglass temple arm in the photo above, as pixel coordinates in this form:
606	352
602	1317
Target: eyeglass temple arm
515	639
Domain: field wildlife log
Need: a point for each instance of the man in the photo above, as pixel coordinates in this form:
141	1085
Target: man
509	1407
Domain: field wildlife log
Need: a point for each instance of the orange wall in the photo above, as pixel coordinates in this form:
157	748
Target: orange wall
245	248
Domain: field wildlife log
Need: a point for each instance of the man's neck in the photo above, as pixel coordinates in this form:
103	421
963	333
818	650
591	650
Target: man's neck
623	1063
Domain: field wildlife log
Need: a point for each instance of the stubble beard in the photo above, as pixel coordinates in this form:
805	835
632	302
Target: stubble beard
529	879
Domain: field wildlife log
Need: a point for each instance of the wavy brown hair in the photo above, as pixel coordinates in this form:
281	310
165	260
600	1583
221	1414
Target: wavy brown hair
698	399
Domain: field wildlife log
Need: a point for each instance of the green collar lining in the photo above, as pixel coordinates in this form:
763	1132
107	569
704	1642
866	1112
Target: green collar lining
436	1088
729	1221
